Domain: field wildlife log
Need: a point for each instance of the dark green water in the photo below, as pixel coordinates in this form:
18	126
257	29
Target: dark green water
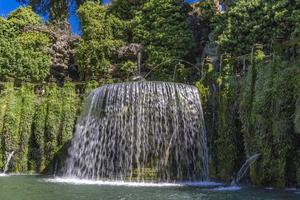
36	188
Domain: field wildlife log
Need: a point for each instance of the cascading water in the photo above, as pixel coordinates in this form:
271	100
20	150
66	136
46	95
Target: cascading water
138	131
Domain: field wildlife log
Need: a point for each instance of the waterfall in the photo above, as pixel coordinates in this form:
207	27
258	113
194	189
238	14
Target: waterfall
10	155
140	131
241	173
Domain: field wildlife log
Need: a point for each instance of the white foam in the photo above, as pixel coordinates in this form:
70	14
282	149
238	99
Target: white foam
75	181
228	188
2	174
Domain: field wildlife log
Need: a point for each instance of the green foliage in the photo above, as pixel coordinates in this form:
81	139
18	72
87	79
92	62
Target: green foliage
255	21
268	126
36	143
203	91
70	103
34	61
246	110
4	97
127	69
99	44
209	99
125	9
22	17
36	148
229	143
221	108
57	10
28	98
11	122
163	30
207	12
52	125
17	122
256	113
23	55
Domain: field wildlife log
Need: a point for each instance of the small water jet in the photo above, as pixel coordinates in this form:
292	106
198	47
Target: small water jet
9	157
140	131
241	173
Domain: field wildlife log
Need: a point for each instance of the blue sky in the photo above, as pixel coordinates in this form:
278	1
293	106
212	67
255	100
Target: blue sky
6	6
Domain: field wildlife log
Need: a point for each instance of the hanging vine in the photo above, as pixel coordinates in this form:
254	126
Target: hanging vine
11	123
52	127
7	89
70	104
26	93
36	141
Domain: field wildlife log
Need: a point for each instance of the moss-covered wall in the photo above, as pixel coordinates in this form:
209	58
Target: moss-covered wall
272	122
35	123
257	112
229	145
220	90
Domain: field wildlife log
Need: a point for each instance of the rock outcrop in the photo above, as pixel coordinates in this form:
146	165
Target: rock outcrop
61	50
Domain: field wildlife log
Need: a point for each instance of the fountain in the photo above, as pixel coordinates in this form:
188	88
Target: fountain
10	155
241	173
140	131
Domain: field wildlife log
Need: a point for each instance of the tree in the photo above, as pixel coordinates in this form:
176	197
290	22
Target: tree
163	30
23	54
248	22
57	10
101	39
125	9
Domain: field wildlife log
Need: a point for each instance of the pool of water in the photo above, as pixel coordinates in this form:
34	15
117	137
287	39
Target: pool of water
43	188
